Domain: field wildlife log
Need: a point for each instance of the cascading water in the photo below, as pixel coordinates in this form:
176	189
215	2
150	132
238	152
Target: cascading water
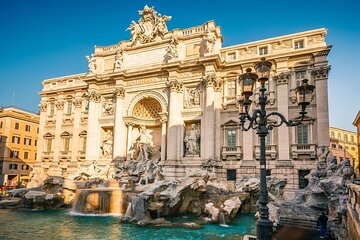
222	220
99	201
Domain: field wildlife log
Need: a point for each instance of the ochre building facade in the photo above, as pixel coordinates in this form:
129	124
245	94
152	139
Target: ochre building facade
177	91
18	144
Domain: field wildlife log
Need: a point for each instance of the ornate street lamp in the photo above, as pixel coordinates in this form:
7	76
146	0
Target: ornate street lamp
259	121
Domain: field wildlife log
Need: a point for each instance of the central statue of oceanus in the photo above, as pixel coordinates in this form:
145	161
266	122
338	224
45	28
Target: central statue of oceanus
143	148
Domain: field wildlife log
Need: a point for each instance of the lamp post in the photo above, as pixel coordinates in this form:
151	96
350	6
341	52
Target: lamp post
259	122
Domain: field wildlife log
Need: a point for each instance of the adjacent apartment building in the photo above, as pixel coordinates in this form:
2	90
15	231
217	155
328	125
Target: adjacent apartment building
18	142
344	145
356	123
180	88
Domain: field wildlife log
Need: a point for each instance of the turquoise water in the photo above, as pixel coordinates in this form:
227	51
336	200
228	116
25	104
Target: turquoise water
29	225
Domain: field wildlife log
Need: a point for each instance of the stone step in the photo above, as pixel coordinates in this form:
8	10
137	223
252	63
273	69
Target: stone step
300	223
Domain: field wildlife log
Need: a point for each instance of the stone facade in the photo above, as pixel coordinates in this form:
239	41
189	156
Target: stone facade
171	96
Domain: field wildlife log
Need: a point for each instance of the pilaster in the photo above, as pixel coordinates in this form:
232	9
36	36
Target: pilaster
92	140
320	76
119	152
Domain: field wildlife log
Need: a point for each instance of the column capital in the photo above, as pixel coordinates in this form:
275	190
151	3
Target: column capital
320	72
129	124
119	92
163	117
282	78
78	102
94	96
174	85
59	104
211	80
43	106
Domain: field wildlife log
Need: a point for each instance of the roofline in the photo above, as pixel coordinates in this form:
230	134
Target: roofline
357	118
354	132
20	109
281	37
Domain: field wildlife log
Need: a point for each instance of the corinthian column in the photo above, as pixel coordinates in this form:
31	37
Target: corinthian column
320	76
211	83
174	123
119	152
282	81
92	141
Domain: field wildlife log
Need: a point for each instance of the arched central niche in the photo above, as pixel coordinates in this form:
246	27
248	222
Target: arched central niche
147	109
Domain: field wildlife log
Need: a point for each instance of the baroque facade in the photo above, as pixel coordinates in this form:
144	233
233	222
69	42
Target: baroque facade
170	96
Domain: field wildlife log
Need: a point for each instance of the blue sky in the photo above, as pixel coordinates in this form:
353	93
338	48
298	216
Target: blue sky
49	38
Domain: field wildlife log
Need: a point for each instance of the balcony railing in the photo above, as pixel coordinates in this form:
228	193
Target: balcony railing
231	151
270	151
303	149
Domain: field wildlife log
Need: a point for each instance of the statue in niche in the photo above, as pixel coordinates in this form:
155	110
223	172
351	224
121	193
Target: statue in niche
192	97
144	144
119	60
107	144
91	64
210	41
192	140
108	107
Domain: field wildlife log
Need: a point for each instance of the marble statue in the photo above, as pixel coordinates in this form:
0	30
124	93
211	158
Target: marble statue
144	144
191	140
90	172
210	41
91	64
149	26
119	59
107	144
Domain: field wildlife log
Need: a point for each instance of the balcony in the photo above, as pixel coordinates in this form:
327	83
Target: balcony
227	151
270	152
303	149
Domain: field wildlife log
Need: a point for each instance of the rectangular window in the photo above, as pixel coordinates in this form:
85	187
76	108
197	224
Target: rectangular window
352	149
231	56
332	134
352	138
27	141
36	143
268	172
37	130
299	75
52	109
26	155
267	139
231	88
25	167
231	138
69	107
17	125
340	146
66	142
345	137
35	156
14	154
13	166
346	147
48	145
15	139
299	44
83	144
27	128
303	182
231	174
333	145
339	136
263	51
1	123
302	134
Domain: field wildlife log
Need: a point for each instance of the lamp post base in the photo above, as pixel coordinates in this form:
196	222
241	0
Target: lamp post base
264	229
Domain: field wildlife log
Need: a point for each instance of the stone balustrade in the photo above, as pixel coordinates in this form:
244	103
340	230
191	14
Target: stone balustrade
303	149
235	151
270	151
353	206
